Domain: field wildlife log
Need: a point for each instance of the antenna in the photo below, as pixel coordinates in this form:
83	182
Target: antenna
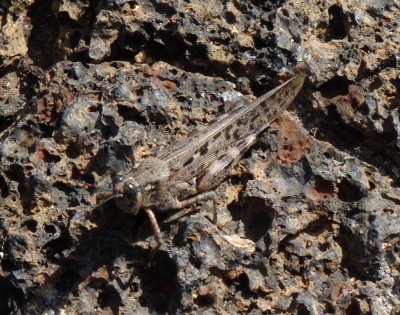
108	199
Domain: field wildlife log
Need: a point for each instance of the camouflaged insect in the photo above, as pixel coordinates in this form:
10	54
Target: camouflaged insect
187	171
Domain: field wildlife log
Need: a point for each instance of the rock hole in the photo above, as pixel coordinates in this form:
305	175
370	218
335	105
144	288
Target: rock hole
337	85
259	42
371	219
165	9
109	297
302	310
205	300
31	225
353	212
354	308
372	185
65	188
131	114
375	84
317	227
46	156
50	229
323	247
75	38
241	284
285	12
73	151
4	191
46	131
133	42
349	192
171	27
379	38
257	218
339	23
44	33
230	17
324	186
16	173
5	122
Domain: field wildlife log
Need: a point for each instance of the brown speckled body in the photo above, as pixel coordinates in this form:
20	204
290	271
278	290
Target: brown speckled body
185	172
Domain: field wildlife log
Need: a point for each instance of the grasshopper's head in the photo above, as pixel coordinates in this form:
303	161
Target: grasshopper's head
130	193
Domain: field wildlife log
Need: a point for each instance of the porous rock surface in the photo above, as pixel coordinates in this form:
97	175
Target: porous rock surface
309	220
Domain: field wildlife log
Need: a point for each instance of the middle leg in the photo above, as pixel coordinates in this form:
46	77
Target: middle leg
209	195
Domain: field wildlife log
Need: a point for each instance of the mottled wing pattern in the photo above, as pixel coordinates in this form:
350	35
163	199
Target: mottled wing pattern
219	169
188	157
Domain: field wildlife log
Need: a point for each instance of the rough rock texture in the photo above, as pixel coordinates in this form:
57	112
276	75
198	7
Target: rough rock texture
309	221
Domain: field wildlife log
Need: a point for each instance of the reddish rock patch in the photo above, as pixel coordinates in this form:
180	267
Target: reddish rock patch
293	143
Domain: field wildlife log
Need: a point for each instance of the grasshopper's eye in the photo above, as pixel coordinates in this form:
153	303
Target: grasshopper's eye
132	196
131	191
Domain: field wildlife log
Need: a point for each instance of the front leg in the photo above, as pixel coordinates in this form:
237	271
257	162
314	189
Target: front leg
210	195
155	227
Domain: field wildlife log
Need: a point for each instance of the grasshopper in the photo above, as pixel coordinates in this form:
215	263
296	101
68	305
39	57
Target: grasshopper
186	172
